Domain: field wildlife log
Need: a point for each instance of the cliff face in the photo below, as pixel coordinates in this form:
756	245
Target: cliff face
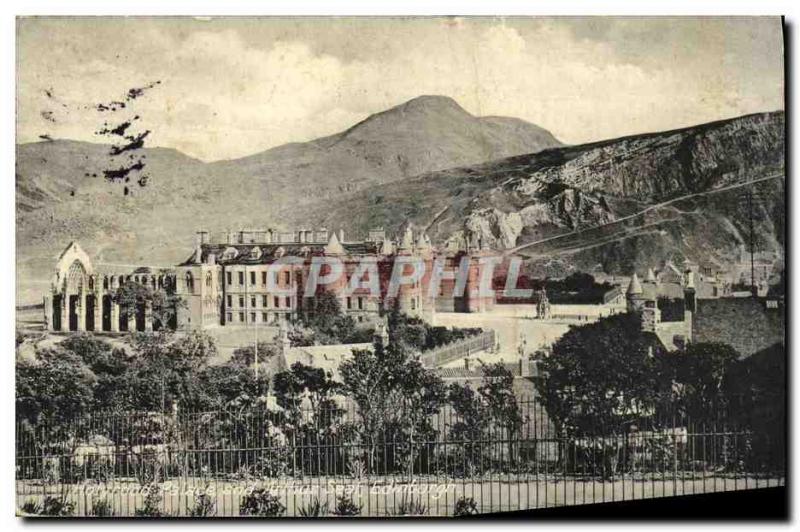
613	205
652	168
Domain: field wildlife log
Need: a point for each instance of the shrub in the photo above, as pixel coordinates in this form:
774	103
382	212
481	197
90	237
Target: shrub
346	507
56	507
204	506
411	506
314	508
152	503
31	507
465	506
261	503
101	508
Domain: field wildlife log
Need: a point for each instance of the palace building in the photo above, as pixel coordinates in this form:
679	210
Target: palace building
268	277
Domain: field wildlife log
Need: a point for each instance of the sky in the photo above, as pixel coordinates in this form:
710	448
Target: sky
232	87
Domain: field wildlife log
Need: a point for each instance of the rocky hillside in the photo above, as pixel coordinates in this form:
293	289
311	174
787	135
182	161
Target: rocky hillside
611	205
62	196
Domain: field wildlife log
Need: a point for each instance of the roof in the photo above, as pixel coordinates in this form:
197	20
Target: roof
635	287
270	252
326	357
746	324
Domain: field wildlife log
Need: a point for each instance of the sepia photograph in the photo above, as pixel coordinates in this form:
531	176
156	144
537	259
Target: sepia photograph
398	266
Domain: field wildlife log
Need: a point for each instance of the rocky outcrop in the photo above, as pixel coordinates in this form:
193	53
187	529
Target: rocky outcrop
604	201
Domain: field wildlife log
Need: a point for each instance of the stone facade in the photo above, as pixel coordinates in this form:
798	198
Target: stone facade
83	298
268	277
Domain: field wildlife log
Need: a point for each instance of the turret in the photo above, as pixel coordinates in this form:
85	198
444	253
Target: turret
334	246
407	242
635	294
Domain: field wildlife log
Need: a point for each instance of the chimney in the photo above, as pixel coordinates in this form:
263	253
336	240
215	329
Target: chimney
198	248
341	235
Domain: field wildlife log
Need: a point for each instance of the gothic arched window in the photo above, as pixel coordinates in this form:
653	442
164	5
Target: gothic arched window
189	282
208	279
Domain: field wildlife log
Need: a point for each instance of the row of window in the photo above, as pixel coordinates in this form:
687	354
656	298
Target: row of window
254	317
287	278
276	301
359	303
261	317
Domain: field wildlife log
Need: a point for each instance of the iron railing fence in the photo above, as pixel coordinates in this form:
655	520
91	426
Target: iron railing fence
165	462
459	349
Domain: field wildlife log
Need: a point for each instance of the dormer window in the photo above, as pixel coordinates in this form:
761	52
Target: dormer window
255	253
280	252
230	253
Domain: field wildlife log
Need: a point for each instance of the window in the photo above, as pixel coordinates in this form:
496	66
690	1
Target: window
413	303
360	303
288	302
230	253
252	317
277	302
264	278
241	301
229	278
105	283
253	301
229	317
264	301
241	317
349	304
189	283
208	279
241	278
230	300
264	317
252	277
287	277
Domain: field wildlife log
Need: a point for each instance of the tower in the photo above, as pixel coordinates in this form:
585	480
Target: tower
635	295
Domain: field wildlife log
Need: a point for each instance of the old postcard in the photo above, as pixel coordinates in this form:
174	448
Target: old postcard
390	267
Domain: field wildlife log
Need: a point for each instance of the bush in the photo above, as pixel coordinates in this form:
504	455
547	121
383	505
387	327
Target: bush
345	507
204	506
56	507
101	508
261	503
465	506
411	506
314	508
152	503
31	507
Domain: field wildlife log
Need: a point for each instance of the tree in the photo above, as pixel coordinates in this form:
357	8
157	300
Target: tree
167	367
491	413
701	373
396	396
245	356
311	415
56	388
164	302
327	324
601	375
